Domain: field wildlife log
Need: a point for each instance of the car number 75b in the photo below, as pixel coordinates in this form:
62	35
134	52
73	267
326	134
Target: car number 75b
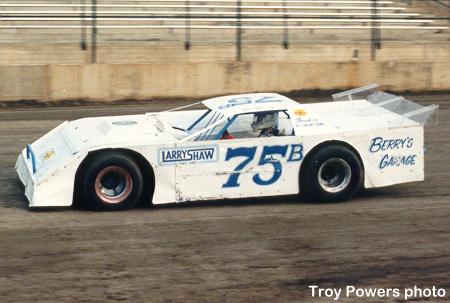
266	158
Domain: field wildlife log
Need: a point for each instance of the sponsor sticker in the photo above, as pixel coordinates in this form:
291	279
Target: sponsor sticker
300	112
124	123
393	151
308	122
198	154
48	155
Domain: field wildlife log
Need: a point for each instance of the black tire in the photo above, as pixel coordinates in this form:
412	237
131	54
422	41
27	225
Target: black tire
111	181
333	173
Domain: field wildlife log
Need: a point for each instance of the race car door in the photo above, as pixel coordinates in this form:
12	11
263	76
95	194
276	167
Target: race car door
248	165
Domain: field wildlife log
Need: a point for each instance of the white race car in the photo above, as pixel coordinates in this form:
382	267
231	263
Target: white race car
248	145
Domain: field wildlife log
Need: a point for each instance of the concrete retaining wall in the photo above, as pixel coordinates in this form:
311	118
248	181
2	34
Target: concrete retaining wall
150	53
124	81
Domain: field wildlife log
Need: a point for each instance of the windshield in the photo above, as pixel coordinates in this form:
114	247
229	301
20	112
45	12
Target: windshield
192	122
207	126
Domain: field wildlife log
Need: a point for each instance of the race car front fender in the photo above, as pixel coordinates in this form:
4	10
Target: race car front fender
56	189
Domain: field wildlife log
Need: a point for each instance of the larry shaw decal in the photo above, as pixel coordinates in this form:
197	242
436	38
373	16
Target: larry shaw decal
199	154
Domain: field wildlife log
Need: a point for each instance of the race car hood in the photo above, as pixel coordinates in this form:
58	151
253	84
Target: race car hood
56	148
117	131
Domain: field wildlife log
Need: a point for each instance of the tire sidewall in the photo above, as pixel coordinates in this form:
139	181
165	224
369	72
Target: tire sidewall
313	188
95	166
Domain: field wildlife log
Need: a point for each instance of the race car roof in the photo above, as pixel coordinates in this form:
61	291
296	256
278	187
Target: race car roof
247	103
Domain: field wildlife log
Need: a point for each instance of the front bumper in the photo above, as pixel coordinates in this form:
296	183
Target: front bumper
24	170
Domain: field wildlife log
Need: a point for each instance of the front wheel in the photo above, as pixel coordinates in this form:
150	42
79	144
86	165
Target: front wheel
334	173
111	181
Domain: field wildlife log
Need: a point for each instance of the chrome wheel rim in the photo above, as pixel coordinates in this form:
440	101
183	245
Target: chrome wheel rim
113	184
334	175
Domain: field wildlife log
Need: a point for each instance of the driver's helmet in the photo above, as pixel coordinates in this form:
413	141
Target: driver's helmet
262	121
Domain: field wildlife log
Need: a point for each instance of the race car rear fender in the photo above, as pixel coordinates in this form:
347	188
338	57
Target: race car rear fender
393	156
388	156
330	143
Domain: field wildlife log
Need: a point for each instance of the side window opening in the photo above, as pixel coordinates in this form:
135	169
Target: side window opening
261	124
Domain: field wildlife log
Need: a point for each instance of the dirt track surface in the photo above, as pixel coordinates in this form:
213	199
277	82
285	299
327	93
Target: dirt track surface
259	250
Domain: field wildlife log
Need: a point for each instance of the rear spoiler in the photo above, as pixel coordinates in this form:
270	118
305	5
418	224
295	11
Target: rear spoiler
396	104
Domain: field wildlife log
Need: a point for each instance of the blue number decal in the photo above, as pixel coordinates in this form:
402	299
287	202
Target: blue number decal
248	152
296	153
248	100
236	101
267	99
267	158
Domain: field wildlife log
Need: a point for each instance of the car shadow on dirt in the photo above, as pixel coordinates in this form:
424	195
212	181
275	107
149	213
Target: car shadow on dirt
15	198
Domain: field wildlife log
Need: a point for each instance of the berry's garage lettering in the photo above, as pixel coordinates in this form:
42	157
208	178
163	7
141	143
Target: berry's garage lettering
387	146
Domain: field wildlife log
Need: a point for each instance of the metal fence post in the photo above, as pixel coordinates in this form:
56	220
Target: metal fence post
94	32
83	25
285	26
187	41
375	31
238	31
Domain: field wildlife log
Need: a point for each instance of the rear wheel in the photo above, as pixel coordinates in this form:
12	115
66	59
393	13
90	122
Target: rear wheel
111	181
334	173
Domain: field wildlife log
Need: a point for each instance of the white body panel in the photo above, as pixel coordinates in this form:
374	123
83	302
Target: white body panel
208	180
187	170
